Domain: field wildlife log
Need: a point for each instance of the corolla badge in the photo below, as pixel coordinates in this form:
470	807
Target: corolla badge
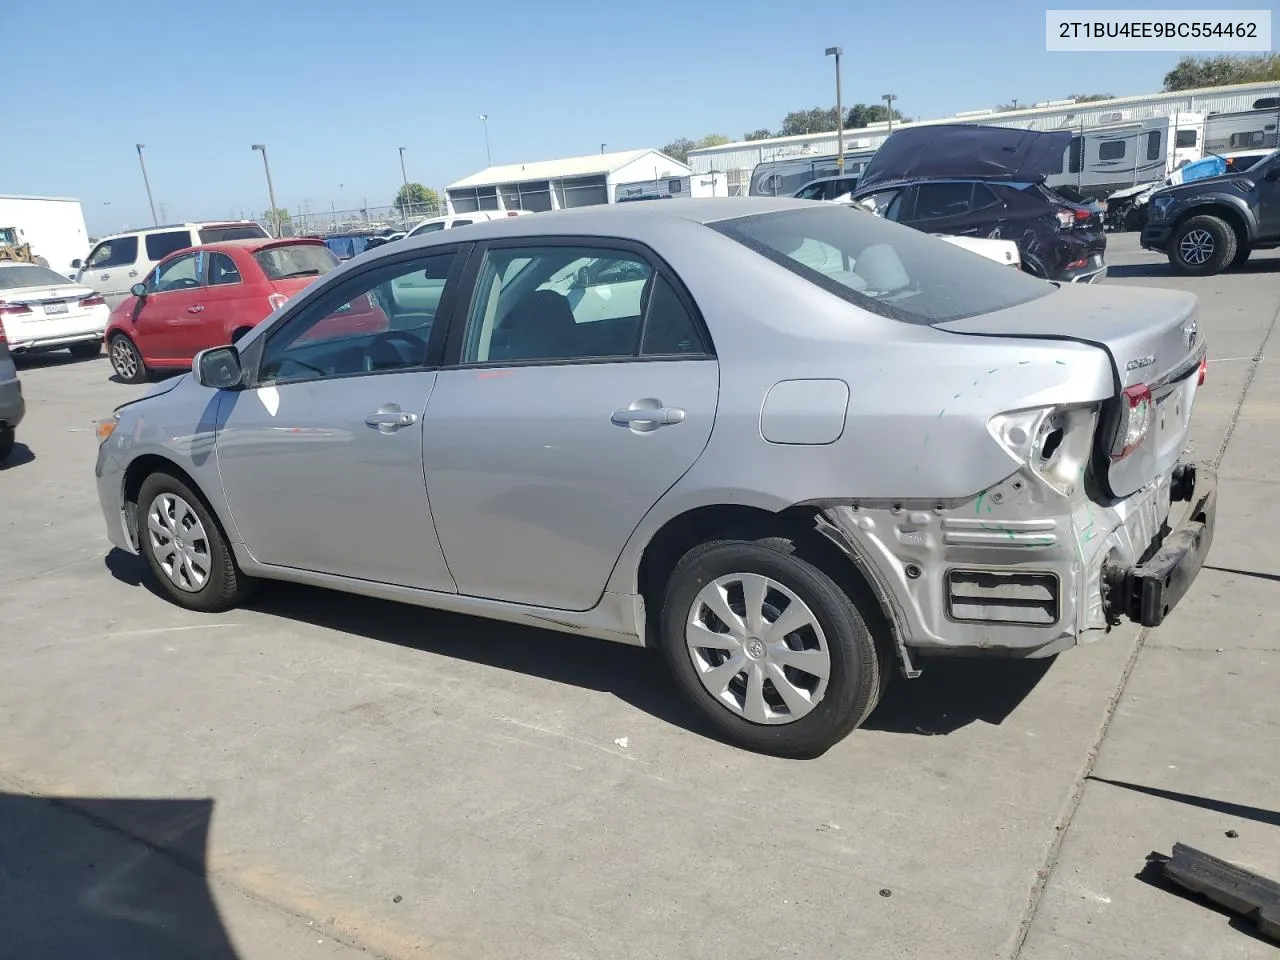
1137	363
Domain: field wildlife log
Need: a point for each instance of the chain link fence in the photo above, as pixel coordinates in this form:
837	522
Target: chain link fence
390	219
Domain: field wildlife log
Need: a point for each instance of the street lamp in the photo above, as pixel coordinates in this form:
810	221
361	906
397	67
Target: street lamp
602	146
836	52
147	183
271	191
484	119
888	99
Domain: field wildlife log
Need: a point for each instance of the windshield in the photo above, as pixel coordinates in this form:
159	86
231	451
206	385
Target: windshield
29	275
1240	164
296	260
888	269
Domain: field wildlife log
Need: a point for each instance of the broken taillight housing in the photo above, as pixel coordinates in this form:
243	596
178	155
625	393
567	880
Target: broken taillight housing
1135	420
1054	442
277	300
1204	371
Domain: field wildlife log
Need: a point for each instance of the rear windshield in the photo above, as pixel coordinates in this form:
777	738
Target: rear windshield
246	231
296	260
883	267
29	275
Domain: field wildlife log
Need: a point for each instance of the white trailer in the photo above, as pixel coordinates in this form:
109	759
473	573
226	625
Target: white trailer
1125	153
54	226
1243	130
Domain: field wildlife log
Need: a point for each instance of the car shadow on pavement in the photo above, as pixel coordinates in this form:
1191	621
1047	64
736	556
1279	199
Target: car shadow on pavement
954	692
19	455
1121	271
53	358
97	877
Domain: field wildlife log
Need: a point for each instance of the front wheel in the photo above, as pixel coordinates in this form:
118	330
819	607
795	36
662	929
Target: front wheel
6	443
768	647
1202	247
126	360
185	548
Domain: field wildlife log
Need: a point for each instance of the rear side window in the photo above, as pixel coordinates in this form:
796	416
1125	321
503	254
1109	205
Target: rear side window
296	260
885	268
247	231
428	228
160	245
462	223
222	270
120	252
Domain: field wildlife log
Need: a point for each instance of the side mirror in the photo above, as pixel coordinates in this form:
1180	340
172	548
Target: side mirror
218	367
76	264
139	290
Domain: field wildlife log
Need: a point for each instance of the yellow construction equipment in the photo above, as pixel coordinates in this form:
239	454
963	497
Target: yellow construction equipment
12	249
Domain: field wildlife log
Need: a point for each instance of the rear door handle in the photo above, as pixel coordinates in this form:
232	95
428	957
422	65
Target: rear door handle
647	417
389	418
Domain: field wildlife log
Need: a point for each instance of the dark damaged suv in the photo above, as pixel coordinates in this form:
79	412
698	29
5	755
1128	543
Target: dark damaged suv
1211	224
975	181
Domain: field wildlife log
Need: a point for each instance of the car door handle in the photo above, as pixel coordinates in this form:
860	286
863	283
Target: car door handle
105	276
196	309
133	273
653	416
390	417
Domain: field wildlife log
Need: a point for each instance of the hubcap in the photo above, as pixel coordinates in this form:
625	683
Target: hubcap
1196	247
758	648
178	542
123	359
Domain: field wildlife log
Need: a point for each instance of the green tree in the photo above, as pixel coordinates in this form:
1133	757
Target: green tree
679	149
413	199
1192	72
761	134
1090	97
814	120
285	221
864	114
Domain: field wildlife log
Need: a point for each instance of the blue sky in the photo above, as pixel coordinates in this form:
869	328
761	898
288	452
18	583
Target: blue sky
333	88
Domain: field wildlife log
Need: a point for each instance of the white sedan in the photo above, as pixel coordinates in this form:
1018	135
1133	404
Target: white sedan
41	310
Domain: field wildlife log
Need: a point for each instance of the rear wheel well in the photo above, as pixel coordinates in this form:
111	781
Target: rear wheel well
724	521
1228	215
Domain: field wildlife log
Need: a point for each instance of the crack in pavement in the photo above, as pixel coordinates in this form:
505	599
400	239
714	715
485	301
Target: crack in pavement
1063	826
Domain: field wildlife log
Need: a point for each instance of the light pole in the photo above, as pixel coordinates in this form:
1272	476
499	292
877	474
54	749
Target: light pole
602	146
271	190
836	52
147	183
484	120
888	99
404	197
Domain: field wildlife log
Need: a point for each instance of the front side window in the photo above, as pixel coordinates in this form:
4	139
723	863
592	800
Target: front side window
885	268
120	252
160	245
573	303
180	273
885	203
222	270
813	191
367	324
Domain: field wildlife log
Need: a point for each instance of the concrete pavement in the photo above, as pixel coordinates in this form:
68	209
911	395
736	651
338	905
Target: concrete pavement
412	783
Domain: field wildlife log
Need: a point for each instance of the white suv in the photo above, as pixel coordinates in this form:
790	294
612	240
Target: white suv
460	220
121	260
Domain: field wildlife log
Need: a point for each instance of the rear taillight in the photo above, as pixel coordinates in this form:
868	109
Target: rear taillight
13	309
1204	371
1076	264
93	301
277	300
1083	213
1135	421
513	213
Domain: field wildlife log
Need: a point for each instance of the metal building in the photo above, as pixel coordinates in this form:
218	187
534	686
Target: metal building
556	184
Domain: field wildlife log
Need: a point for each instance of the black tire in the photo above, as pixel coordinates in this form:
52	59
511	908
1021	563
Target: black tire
225	586
86	350
116	347
1241	257
1210	238
7	440
856	668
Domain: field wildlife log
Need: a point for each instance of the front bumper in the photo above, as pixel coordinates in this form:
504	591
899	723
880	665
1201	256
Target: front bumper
12	406
1145	593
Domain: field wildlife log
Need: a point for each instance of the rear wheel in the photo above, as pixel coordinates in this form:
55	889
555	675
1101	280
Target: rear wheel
768	647
6	443
86	350
1202	246
126	360
185	548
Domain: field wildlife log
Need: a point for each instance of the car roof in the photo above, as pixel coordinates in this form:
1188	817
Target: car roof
190	224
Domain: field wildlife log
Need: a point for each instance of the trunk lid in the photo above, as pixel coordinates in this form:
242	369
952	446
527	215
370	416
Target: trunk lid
966	150
1152	338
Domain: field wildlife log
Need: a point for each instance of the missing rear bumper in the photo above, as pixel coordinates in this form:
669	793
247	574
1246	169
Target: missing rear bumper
1147	592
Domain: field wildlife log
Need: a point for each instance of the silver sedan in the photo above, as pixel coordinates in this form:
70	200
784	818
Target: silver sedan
794	446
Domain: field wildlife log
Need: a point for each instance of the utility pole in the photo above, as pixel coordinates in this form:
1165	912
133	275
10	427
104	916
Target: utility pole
836	52
155	222
404	177
488	154
888	99
271	190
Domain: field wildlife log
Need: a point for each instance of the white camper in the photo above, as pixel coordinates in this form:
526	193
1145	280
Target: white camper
54	226
1125	153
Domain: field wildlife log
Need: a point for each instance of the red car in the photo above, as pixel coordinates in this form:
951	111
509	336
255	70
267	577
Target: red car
212	295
